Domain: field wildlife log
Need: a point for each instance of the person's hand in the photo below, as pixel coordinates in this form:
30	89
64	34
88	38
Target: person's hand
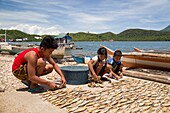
63	81
117	77
110	76
121	75
52	85
96	78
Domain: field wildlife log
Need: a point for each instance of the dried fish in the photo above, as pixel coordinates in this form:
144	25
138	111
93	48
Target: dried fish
164	109
128	111
128	95
122	100
135	110
80	109
97	98
97	105
90	97
96	111
84	103
114	110
91	109
73	109
145	108
102	106
133	105
141	104
68	103
59	103
114	103
166	104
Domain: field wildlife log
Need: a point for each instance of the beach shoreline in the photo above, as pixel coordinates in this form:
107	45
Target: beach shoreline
15	98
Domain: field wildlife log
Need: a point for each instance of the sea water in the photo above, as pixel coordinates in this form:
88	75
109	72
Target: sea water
90	48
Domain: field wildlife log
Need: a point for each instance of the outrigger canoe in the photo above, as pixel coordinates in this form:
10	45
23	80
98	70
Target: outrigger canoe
144	60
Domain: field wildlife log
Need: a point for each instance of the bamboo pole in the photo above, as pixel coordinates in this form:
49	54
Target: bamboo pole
146	76
167	56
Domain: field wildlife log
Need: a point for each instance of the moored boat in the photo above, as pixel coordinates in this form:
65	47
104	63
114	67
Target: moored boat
12	49
58	53
144	60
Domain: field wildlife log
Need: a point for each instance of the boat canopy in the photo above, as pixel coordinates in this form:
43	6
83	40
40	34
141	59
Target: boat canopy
63	35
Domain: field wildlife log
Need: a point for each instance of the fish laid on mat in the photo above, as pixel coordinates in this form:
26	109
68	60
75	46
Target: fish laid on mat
73	109
80	109
70	102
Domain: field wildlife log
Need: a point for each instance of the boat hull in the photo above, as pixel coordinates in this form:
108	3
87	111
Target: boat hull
135	61
144	60
78	58
58	53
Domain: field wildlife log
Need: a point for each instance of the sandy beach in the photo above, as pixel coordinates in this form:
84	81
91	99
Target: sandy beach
14	97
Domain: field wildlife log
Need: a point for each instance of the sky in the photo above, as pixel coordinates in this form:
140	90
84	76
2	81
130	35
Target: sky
95	16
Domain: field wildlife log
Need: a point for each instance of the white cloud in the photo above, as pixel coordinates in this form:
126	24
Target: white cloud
89	18
35	29
74	16
23	16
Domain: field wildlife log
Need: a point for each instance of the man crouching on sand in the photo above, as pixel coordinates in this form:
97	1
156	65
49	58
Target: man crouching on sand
30	64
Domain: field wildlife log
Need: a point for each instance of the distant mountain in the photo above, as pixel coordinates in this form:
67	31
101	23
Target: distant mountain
81	36
167	29
16	34
143	35
127	35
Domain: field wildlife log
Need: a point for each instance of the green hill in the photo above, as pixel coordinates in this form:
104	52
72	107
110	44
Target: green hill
81	36
143	35
167	29
16	34
127	35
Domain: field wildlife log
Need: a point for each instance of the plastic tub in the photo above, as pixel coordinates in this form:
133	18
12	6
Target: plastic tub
87	59
75	75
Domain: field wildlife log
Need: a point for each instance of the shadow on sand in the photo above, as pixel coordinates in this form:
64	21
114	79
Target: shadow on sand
22	89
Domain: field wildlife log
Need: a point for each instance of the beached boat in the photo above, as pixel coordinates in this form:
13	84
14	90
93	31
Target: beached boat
18	49
64	40
14	48
144	60
58	53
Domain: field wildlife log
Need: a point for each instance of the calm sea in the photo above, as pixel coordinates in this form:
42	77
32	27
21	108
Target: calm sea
90	48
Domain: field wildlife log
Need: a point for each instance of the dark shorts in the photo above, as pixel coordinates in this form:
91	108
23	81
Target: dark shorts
21	72
102	71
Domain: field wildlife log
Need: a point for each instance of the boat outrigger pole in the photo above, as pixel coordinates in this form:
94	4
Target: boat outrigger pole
4	35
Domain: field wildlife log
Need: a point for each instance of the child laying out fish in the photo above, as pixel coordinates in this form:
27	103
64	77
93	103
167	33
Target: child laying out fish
115	65
98	64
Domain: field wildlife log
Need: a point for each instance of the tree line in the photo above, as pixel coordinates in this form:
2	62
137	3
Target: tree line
127	35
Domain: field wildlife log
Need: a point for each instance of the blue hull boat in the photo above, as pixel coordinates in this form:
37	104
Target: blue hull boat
78	58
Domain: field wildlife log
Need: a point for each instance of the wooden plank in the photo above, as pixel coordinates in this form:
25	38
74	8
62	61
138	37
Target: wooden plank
146	76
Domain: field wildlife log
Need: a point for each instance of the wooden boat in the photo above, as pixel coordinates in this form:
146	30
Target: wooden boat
144	60
14	49
58	53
